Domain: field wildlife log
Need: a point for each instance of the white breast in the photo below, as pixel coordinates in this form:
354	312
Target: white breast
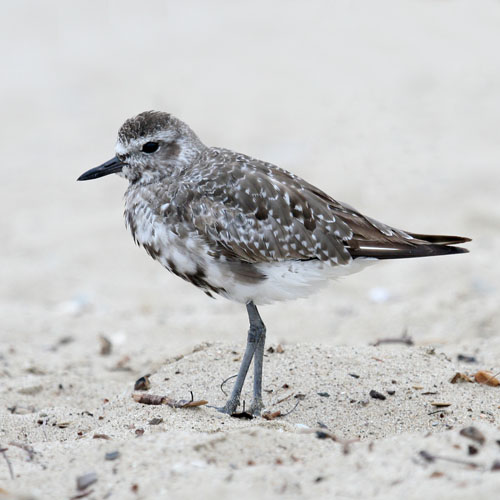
184	255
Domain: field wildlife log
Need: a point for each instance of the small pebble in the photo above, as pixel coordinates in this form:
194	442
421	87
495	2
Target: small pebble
106	346
155	421
302	426
466	359
472	450
142	384
112	455
474	434
376	395
83	482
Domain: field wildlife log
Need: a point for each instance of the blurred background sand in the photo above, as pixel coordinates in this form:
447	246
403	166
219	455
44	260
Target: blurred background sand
391	106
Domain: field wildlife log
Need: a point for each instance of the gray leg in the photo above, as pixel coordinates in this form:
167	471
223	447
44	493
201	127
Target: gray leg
258	361
255	341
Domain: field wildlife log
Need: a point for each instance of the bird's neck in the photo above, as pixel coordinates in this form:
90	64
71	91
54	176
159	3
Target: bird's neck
188	149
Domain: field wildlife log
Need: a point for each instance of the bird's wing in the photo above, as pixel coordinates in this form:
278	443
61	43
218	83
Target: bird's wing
255	212
373	239
269	214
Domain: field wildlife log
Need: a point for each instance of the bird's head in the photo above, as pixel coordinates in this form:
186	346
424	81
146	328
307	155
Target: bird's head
150	146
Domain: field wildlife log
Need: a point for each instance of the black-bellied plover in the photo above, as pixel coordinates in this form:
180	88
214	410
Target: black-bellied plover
243	228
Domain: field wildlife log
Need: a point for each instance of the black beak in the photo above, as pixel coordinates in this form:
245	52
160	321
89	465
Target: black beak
110	167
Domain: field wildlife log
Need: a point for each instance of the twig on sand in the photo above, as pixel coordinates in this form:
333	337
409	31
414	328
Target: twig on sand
224	383
9	465
149	399
293	409
277	414
182	403
154	399
404	339
429	457
440	410
26	447
284	399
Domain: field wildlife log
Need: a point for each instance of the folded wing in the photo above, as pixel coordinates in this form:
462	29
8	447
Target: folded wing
272	215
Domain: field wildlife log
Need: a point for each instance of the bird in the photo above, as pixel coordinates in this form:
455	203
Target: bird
244	229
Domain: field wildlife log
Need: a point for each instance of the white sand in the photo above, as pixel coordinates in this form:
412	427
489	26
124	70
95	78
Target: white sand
391	106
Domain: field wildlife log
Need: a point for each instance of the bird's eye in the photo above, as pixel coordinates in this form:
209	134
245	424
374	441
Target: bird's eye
150	147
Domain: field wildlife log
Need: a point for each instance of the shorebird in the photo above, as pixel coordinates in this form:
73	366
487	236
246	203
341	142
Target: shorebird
242	228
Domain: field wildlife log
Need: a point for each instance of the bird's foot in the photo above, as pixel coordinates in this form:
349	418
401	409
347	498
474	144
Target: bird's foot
230	407
256	407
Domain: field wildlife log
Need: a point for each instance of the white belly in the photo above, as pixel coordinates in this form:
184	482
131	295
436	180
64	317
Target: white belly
291	280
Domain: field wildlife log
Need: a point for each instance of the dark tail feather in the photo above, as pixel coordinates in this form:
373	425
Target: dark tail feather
408	252
424	245
438	239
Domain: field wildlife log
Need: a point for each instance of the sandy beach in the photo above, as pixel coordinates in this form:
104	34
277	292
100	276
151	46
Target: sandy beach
390	106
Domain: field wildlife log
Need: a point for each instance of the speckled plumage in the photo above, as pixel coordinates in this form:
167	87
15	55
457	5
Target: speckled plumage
242	228
227	220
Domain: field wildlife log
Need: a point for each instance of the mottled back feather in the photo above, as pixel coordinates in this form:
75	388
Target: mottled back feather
253	211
